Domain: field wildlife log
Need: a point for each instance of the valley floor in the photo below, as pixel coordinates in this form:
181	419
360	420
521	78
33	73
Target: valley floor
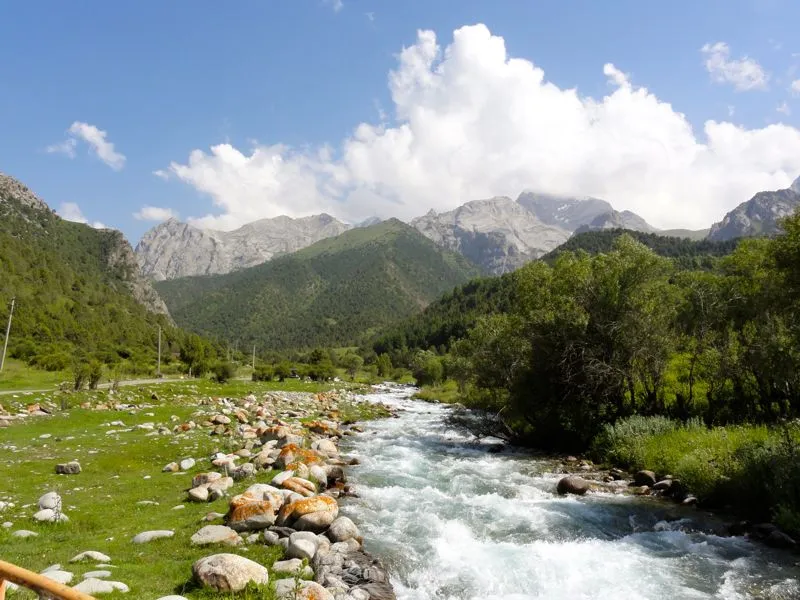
121	490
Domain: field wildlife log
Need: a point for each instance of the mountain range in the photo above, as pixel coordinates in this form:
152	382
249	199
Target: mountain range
337	291
498	235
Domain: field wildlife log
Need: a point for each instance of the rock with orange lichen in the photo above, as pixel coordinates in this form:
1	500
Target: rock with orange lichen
289	589
309	514
253	511
292	453
300	486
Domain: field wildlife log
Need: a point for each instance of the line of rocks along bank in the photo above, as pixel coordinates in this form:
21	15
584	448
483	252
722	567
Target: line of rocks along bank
296	508
583	477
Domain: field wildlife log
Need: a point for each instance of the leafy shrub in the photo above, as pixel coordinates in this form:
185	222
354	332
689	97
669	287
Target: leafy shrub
264	373
94	372
622	443
223	371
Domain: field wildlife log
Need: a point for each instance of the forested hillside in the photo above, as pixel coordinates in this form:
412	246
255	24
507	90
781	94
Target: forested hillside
687	253
336	292
78	294
453	315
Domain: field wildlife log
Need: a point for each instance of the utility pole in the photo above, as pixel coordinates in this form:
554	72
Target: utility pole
8	332
158	373
254	357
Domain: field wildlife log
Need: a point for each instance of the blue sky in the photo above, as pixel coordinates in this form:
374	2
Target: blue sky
290	107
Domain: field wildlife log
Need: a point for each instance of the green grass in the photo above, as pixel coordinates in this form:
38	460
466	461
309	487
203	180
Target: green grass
752	470
17	375
120	470
446	393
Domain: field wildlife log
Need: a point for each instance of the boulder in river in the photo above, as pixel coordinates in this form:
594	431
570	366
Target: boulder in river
572	484
647	478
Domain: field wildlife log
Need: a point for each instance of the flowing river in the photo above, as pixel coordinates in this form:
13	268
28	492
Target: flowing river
452	521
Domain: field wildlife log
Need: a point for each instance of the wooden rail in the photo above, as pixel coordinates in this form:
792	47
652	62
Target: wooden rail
37	583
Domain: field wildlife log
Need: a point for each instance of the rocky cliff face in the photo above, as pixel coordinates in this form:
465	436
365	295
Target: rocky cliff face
616	220
174	249
11	189
121	259
498	234
759	215
562	211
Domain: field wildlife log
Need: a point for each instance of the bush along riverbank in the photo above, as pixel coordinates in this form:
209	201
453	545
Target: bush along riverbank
749	473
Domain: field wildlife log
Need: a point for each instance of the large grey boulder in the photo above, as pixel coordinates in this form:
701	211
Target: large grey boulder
229	572
572	484
342	529
216	534
302	545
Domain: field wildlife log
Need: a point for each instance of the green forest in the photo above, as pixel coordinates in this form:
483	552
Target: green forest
338	292
636	359
73	303
453	315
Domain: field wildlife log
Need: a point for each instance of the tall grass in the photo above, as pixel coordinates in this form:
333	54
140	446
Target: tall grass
750	469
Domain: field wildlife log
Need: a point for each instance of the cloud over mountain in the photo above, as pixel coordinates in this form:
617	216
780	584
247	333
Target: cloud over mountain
472	122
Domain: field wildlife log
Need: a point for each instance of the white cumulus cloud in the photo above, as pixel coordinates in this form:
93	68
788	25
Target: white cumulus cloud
795	87
472	122
743	73
95	138
155	213
70	211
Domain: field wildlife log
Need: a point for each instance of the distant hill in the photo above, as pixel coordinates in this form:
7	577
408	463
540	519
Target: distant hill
456	312
758	216
335	292
78	290
688	253
692	234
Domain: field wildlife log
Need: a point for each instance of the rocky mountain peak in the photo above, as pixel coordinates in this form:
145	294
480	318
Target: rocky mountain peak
563	211
11	189
795	187
175	249
760	215
497	234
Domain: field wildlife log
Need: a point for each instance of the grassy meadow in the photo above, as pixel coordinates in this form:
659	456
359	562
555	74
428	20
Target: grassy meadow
120	470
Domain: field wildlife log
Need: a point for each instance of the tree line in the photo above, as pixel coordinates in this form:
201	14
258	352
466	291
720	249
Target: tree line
592	339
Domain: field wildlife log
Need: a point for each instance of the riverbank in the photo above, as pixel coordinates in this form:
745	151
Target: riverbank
453	518
170	477
750	472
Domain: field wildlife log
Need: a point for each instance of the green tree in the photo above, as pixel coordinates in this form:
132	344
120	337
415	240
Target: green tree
197	354
283	370
223	371
384	365
352	362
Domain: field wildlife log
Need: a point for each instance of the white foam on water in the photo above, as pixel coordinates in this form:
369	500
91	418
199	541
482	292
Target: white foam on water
454	522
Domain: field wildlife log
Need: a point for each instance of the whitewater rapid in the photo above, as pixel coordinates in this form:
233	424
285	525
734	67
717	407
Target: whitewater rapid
451	521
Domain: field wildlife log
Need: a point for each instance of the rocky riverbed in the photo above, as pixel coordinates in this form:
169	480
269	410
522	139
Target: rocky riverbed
286	447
